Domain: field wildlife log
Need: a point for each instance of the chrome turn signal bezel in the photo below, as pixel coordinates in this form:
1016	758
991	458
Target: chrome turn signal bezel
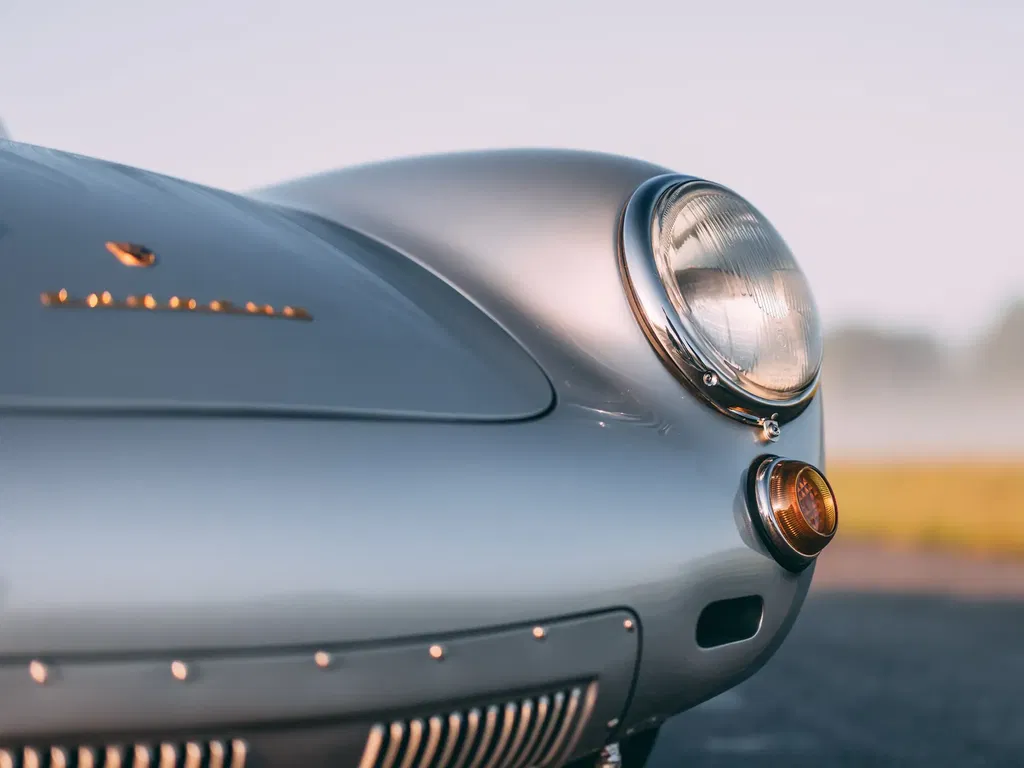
793	541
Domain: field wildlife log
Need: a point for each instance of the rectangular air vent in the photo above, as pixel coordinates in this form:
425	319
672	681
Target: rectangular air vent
530	731
192	754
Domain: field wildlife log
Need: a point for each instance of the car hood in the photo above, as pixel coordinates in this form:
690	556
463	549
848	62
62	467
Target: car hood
245	308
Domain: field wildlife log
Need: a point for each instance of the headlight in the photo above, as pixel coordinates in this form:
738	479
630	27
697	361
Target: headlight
722	298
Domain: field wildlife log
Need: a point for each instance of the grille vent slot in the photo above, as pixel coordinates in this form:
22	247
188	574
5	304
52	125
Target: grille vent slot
531	732
192	754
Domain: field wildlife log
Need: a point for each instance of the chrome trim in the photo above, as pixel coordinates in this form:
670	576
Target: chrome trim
563	731
395	742
413	746
525	713
589	701
373	745
759	484
454	728
433	739
239	753
137	755
499	735
507	726
670	333
472	723
549	731
485	740
542	716
763	506
217	754
609	757
168	756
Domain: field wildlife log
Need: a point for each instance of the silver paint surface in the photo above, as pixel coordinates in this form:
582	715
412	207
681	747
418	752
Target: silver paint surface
386	338
151	534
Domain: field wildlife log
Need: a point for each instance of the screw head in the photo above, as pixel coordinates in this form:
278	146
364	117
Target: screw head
179	669
39	671
710	379
772	430
322	659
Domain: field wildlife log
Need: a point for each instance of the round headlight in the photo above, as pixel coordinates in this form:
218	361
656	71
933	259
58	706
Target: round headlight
721	296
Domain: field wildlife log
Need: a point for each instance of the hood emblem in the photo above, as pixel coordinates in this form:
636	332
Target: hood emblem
132	254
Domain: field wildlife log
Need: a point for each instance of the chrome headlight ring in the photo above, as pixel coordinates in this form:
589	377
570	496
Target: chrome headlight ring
672	330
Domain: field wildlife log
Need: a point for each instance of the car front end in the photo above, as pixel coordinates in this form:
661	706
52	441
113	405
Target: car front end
414	464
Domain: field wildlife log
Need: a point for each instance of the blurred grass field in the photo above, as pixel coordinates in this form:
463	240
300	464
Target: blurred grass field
971	507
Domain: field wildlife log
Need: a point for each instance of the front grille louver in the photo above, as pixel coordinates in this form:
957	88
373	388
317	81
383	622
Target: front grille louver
192	754
532	732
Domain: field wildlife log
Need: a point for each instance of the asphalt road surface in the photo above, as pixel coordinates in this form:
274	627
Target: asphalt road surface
871	679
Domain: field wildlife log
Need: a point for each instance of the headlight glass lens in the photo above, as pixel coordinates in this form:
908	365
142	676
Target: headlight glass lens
735	284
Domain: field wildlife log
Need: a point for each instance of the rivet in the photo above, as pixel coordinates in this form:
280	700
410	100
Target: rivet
540	633
322	659
39	672
436	652
710	379
628	624
613	723
180	670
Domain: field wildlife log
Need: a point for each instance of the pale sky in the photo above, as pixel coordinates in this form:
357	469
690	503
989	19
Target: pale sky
884	138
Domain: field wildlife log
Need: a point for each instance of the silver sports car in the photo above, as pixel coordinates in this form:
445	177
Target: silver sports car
483	460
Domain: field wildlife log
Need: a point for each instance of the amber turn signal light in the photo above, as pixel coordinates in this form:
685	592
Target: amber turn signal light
796	510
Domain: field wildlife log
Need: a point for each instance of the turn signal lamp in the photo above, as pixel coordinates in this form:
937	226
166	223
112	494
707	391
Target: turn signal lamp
796	510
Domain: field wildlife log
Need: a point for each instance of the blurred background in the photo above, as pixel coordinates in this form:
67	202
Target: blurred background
882	138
